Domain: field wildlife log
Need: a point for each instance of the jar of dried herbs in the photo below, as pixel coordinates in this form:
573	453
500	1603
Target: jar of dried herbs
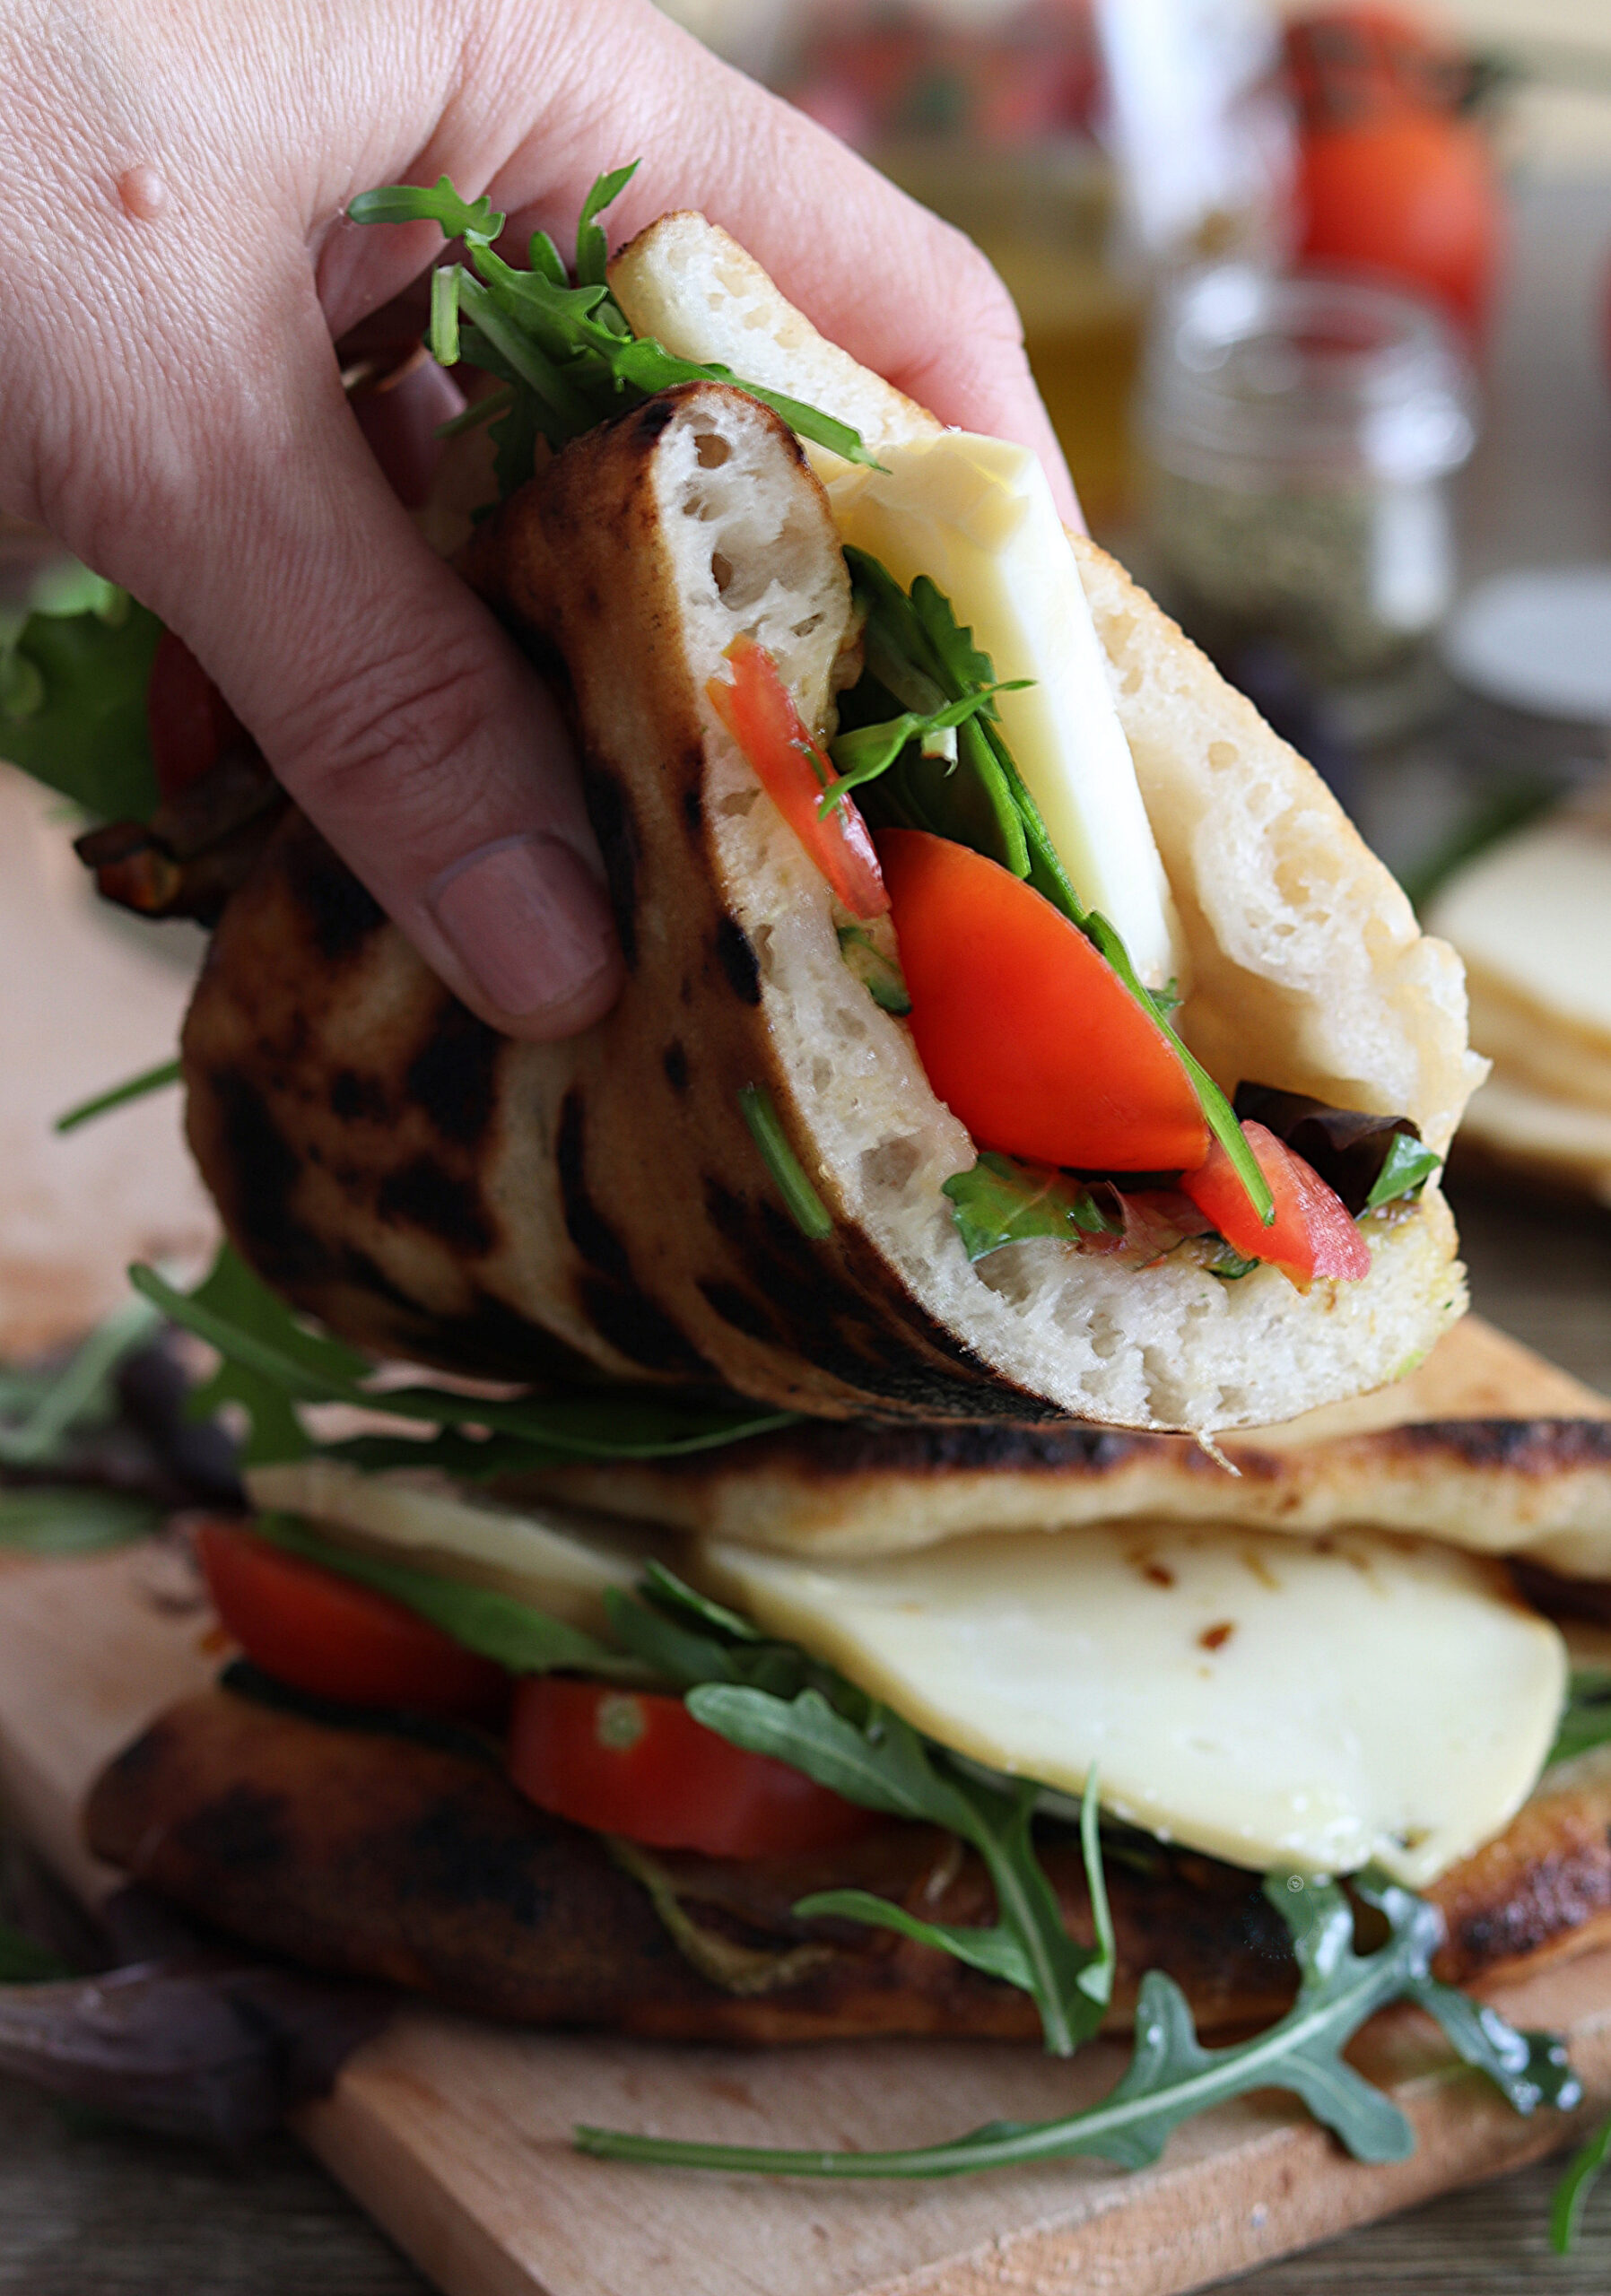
1300	434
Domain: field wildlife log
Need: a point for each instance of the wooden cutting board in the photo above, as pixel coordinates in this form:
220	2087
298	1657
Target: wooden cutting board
454	2133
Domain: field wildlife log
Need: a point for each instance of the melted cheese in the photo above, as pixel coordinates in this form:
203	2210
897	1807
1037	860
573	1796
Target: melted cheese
976	515
1284	1704
558	1562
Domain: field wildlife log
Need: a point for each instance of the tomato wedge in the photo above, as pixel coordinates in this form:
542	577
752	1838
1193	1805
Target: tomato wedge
332	1637
1023	1028
756	709
637	1763
189	722
1313	1232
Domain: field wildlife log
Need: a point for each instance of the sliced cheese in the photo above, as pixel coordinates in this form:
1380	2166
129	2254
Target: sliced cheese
1531	916
977	516
1313	1706
559	1561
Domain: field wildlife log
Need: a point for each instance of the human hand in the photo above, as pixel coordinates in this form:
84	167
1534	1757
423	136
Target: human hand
174	265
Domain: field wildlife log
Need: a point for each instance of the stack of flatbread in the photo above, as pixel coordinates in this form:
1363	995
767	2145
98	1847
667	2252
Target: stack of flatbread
1532	919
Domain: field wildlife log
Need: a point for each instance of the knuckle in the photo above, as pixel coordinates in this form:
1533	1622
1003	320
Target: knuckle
391	737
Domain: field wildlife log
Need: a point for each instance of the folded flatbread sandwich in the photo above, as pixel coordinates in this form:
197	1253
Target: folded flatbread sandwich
613	1206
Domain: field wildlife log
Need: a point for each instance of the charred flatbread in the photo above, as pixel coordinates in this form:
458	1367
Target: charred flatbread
430	1189
356	1850
1400	1460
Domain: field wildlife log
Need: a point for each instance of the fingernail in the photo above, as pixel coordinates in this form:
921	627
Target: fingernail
528	922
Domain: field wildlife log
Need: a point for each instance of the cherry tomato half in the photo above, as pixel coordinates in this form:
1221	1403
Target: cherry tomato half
1313	1232
637	1763
756	709
332	1637
1023	1028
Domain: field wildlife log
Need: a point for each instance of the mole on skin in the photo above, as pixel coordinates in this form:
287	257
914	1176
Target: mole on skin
143	193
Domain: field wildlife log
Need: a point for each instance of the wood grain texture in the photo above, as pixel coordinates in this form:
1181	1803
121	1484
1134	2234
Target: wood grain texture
454	2135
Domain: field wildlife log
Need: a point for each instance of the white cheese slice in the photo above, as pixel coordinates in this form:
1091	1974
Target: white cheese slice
1287	1705
560	1561
976	515
1531	915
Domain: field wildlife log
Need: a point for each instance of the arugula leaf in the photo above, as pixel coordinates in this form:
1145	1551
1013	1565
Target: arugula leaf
437	203
879	975
282	1363
806	1207
1570	2196
1000	1950
77	1394
1408	1167
673	1593
54	1518
1586	1721
72	705
273	1364
592	247
688	1639
879	1760
117	1096
523	1639
1172	2076
1000	1202
867	751
972	801
567	353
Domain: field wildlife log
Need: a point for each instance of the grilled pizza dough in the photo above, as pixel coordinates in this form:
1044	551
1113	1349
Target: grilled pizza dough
354	1850
428	1188
1439	1455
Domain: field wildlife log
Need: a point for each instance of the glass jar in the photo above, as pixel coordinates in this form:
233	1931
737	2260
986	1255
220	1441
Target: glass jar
1299	434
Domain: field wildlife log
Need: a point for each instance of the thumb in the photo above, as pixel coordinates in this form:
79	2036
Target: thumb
387	699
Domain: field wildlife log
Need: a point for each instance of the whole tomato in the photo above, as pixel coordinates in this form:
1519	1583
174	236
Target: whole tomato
1413	195
1395	174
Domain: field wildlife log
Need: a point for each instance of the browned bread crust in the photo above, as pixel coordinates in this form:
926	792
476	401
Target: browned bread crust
363	1852
371	1854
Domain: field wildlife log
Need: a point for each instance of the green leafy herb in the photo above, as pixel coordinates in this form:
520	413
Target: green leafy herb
1000	1950
41	1410
879	975
525	1640
867	751
807	1209
566	353
268	1360
1231	1266
880	1762
72	703
1585	1722
673	1593
273	1365
917	652
1570	2196
55	1519
1001	1202
686	1640
1172	2076
918	658
1409	1165
133	1088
